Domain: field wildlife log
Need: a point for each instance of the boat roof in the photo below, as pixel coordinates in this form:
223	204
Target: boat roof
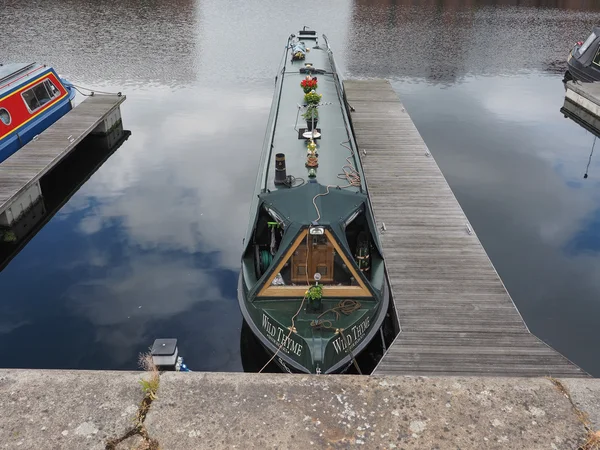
330	198
17	74
305	204
333	147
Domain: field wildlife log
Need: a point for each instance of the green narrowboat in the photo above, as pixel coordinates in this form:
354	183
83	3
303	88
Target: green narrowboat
313	285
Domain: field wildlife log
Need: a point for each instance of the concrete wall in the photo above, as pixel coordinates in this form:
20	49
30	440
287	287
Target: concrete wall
85	409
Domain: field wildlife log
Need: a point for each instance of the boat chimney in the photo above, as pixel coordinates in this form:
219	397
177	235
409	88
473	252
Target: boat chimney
280	173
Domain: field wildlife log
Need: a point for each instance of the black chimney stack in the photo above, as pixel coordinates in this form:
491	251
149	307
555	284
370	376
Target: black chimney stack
280	174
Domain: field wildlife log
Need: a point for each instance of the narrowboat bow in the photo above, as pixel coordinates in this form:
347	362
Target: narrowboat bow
584	59
32	97
313	287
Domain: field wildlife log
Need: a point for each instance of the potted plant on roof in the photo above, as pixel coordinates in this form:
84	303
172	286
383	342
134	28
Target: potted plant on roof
311	148
312	98
311	116
312	160
309	84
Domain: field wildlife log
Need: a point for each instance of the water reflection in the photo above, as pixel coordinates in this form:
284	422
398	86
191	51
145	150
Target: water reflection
472	4
446	41
58	186
587	239
128	42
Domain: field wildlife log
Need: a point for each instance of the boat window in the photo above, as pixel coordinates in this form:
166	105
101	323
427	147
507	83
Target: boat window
40	94
314	256
4	116
597	58
587	43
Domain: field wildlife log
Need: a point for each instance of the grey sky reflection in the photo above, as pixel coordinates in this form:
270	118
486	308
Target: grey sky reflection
181	187
183	182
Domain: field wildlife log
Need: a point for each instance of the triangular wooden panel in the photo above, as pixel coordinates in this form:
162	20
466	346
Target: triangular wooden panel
285	258
328	291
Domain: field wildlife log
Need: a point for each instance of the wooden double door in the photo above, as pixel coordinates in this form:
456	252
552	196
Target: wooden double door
321	255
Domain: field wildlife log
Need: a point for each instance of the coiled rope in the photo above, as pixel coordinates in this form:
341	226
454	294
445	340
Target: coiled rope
345	307
349	173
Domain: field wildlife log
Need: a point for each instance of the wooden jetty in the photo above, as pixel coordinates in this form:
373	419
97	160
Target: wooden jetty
455	315
21	173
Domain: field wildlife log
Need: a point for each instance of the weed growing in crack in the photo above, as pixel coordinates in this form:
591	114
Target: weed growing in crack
592	438
150	387
151	382
592	441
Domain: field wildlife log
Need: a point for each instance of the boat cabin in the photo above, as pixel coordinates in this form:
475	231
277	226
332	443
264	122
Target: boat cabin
32	97
584	59
288	251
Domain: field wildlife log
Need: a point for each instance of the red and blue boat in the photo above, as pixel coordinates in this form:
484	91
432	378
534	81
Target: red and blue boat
32	97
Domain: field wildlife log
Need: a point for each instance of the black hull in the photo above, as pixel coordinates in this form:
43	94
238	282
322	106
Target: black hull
579	72
285	363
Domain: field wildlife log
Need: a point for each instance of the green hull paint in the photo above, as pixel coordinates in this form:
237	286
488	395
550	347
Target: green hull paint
315	349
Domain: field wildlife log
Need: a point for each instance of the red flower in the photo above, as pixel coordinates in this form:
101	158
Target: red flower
309	83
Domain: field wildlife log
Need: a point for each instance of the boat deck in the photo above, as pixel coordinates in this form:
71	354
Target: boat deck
332	146
455	315
23	169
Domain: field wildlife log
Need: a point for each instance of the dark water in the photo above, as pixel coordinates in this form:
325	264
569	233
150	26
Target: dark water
149	246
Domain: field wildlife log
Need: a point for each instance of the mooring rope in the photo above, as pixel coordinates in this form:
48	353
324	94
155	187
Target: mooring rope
349	172
345	307
92	91
590	159
293	326
350	351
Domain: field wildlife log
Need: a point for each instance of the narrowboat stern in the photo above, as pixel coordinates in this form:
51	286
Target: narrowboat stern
313	286
584	59
32	97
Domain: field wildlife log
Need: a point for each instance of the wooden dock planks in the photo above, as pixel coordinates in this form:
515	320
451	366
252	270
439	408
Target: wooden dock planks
36	158
455	315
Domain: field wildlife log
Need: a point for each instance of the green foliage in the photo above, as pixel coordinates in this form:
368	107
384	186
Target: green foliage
314	292
312	98
152	380
311	113
150	387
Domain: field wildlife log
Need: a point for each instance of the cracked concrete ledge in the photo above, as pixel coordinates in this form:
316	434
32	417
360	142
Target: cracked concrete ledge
59	409
84	409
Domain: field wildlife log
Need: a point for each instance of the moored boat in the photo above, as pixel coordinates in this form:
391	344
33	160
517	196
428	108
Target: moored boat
584	59
32	97
312	285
